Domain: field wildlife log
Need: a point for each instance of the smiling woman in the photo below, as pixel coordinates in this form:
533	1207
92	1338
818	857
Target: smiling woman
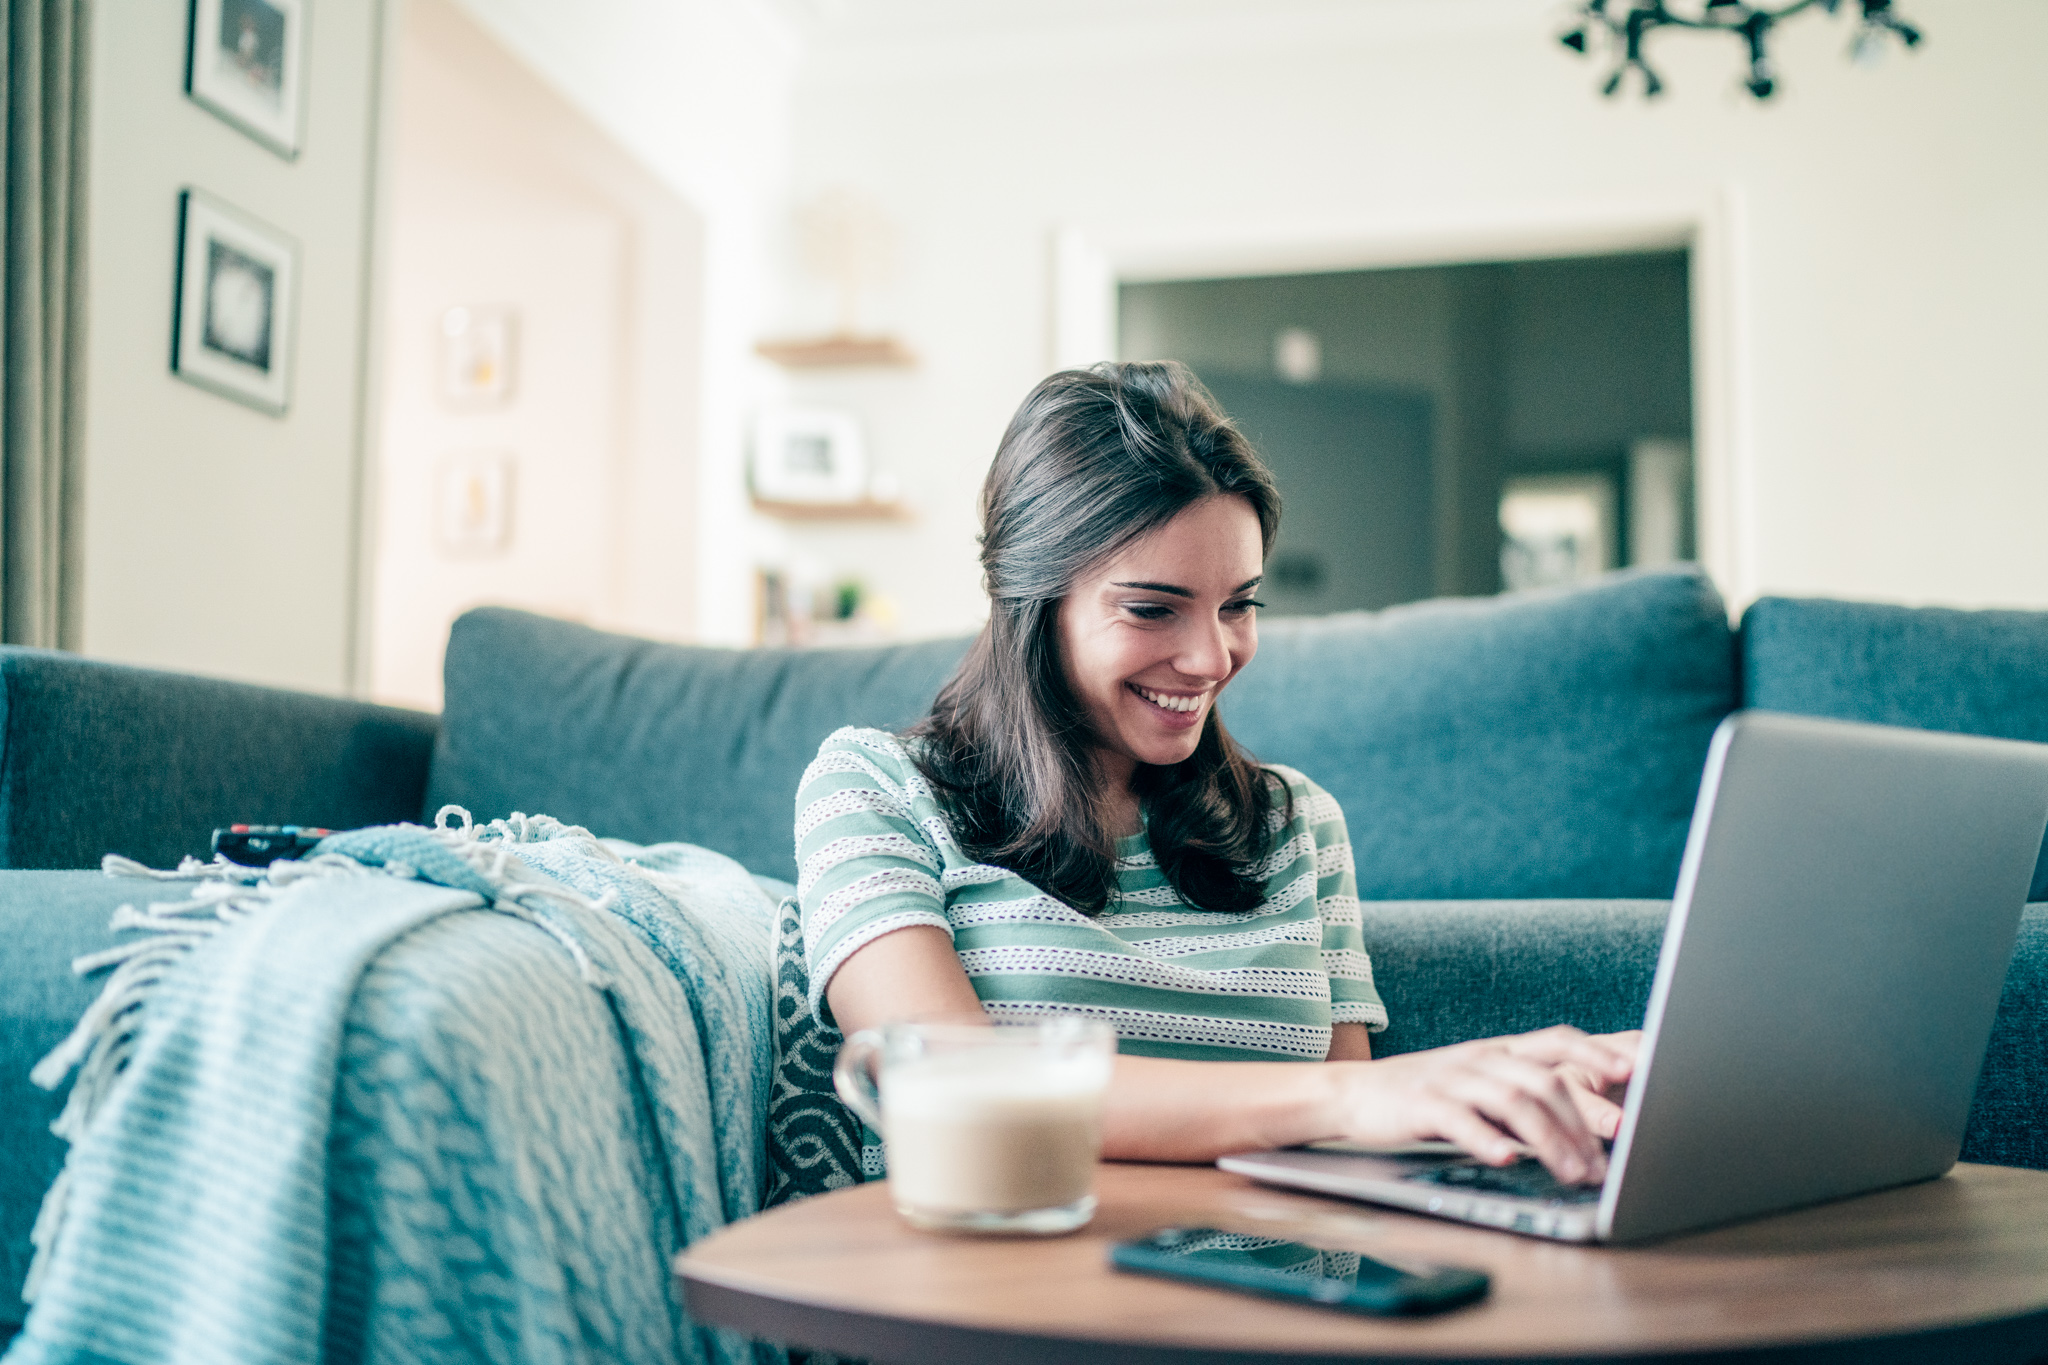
1073	831
1124	523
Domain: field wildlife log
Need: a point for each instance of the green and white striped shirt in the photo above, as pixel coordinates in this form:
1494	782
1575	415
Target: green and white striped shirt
876	853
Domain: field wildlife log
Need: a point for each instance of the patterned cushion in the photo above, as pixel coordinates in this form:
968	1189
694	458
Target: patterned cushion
814	1143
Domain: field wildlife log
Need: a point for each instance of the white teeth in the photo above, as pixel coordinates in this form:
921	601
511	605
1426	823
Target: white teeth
1169	702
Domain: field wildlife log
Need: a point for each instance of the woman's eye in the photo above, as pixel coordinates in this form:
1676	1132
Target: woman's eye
1243	604
1148	611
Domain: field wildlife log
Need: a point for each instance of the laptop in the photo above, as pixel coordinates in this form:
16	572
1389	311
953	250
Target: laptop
1846	910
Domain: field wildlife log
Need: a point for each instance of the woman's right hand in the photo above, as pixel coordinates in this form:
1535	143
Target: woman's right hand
1498	1098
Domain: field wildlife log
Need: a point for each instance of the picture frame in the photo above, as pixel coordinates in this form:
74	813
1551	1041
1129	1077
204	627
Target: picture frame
237	290
245	62
1558	529
810	455
479	355
473	493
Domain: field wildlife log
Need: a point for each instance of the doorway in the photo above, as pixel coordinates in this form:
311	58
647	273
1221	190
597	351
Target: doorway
1450	430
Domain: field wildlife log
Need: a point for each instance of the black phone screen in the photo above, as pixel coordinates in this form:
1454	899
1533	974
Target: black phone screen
1282	1268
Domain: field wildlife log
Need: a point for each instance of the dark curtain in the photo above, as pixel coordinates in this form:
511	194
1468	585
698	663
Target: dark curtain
41	332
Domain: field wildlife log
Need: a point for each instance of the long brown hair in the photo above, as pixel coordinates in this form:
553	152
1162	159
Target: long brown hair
1093	460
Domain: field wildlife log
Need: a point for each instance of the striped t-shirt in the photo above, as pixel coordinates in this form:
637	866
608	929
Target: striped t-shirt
876	852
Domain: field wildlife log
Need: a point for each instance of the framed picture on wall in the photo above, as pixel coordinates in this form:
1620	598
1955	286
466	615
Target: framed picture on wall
245	61
808	455
479	354
473	503
231	328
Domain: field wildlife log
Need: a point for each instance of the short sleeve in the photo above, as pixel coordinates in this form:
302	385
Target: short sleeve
866	865
1353	999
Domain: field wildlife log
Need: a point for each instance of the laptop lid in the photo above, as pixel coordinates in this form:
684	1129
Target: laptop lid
1845	914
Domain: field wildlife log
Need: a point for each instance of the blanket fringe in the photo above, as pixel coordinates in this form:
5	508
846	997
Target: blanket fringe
221	895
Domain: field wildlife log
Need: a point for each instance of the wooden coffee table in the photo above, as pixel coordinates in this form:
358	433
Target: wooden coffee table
1953	1269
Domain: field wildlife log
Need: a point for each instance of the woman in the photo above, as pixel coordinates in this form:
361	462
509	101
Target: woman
1071	829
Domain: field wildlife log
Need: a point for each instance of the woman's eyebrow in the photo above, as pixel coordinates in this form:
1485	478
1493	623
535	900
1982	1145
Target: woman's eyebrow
1245	586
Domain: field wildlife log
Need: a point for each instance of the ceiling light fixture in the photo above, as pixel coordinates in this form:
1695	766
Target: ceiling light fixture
1625	23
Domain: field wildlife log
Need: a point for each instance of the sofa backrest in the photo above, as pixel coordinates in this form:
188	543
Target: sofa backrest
640	740
1544	744
1932	668
1530	745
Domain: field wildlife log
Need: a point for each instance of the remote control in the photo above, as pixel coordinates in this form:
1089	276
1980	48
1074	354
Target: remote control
262	845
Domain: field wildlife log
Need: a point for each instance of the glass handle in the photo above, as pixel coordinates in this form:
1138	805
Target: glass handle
853	1076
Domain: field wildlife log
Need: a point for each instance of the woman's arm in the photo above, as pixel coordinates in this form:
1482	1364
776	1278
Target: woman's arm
1350	1043
1495	1098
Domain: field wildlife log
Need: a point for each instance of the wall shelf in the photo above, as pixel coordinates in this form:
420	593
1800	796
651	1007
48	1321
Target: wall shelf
841	350
867	509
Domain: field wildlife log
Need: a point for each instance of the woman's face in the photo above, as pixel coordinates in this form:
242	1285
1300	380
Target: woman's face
1149	638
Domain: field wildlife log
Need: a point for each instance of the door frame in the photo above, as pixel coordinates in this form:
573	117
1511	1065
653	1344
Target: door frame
1089	260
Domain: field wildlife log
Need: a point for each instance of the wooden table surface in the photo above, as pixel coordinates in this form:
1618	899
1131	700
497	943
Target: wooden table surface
1952	1269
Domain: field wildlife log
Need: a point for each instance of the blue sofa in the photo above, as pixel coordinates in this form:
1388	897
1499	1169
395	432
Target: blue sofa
1518	774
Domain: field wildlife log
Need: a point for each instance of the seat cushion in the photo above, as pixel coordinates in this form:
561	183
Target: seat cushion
1530	745
653	742
1931	668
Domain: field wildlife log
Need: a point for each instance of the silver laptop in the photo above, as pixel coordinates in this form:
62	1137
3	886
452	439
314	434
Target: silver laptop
1846	911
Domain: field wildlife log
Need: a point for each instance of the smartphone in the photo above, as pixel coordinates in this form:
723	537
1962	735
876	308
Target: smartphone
1296	1270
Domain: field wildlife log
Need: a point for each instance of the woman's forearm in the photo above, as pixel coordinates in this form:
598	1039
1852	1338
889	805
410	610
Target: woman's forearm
1498	1098
1162	1109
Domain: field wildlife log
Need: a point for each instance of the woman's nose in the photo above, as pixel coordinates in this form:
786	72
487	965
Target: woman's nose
1206	653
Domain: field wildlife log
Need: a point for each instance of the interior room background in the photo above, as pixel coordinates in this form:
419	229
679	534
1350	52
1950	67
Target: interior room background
1835	337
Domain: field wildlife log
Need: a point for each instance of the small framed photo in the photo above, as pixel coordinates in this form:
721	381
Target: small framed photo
245	60
479	355
808	455
473	503
231	328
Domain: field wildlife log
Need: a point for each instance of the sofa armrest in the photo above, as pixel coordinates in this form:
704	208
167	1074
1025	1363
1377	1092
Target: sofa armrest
46	920
1453	970
102	758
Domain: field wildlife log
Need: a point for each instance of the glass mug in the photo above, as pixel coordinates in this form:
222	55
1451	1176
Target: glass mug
990	1128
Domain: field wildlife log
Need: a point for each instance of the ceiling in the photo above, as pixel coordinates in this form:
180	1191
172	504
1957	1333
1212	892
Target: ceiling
832	24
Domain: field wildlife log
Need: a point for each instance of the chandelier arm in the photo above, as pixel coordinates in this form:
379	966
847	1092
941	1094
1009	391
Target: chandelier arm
1708	21
1752	22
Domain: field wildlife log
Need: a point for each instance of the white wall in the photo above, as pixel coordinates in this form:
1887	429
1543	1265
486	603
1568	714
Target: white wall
1879	240
699	91
503	195
219	539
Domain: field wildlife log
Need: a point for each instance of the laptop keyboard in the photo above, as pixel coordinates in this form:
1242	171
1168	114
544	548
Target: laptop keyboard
1524	1180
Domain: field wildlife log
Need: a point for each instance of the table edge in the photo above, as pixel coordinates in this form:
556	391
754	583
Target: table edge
909	1341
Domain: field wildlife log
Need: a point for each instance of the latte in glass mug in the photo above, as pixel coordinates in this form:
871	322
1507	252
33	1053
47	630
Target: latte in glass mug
992	1128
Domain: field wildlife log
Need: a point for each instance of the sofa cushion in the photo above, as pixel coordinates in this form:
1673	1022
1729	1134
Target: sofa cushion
1451	970
640	740
815	1143
1931	668
1534	744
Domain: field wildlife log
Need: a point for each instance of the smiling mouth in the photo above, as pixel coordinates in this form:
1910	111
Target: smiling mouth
1167	701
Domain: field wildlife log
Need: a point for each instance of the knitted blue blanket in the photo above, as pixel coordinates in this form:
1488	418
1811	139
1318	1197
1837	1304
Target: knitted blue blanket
345	1109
